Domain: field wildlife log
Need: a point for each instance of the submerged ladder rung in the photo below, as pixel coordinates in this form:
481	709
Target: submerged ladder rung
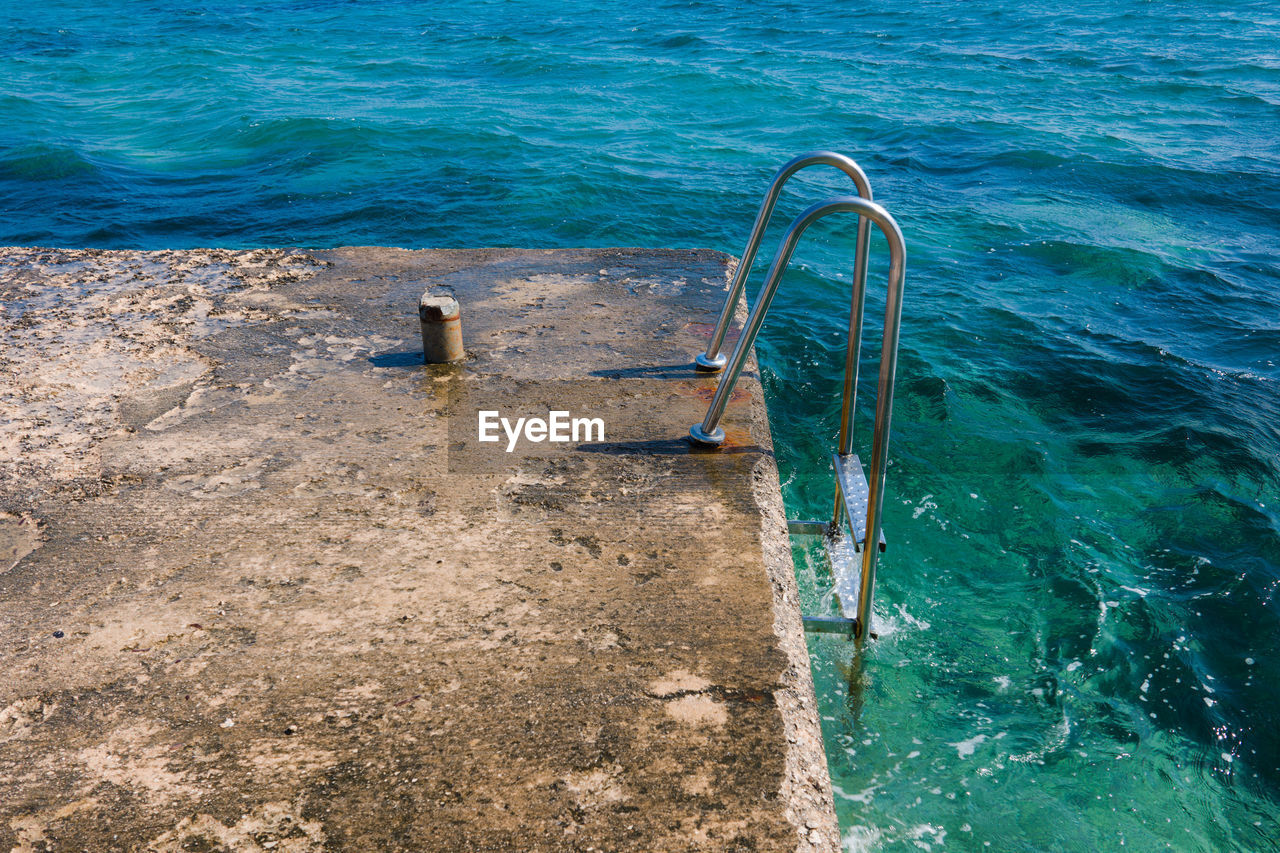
808	528
830	625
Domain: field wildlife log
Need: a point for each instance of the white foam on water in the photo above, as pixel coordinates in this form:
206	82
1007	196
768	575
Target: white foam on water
965	748
936	835
926	504
861	839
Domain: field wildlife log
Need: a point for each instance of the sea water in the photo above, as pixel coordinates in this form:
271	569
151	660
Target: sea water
1078	608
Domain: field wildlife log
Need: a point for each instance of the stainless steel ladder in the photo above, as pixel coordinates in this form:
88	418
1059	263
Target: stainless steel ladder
858	500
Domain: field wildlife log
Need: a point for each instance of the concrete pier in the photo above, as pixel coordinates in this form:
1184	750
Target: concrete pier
264	588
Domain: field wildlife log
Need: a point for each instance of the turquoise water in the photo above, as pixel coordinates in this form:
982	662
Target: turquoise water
1079	602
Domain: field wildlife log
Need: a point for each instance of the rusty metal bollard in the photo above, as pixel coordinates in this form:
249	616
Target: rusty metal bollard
441	322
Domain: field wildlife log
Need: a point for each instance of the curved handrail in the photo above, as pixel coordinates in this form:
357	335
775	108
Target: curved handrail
713	359
709	431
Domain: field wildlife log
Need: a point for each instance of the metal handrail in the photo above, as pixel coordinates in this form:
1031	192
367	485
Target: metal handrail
710	433
713	359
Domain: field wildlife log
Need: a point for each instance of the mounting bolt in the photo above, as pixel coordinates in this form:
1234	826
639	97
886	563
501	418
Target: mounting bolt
702	438
710	365
441	321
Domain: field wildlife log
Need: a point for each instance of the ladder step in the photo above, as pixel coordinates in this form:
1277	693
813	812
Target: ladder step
853	486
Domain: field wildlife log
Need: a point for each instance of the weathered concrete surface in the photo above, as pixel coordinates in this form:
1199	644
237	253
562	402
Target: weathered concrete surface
263	590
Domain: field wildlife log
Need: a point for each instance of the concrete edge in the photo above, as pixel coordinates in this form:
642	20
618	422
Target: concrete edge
806	785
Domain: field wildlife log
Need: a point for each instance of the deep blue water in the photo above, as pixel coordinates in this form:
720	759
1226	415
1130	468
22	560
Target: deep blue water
1080	597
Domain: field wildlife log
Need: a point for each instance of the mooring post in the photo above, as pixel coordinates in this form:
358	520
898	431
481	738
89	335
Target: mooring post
441	321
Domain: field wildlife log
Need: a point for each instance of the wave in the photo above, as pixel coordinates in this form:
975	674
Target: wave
40	162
